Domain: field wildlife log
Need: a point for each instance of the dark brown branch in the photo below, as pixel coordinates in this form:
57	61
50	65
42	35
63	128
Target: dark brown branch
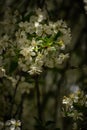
13	100
40	3
38	98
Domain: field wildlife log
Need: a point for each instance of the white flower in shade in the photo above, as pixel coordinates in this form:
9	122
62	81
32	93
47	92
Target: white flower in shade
62	47
61	44
39	30
4	43
39	59
28	51
40	17
34	69
33	43
13	124
30	29
76	115
76	98
47	29
2	72
23	34
62	57
66	37
36	24
25	52
67	101
49	63
24	65
21	24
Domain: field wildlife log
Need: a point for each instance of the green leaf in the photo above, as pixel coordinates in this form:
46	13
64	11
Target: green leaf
13	66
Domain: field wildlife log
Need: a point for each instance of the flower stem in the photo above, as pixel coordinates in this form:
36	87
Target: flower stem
13	100
39	112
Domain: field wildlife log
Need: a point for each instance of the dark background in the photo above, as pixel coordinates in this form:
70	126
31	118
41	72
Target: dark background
70	76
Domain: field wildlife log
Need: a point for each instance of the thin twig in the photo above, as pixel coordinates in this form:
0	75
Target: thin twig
38	98
13	99
20	105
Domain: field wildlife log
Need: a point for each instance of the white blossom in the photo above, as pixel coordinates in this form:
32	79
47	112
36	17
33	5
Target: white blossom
13	124
35	70
2	72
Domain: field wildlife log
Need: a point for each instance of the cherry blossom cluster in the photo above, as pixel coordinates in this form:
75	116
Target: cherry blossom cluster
33	42
73	104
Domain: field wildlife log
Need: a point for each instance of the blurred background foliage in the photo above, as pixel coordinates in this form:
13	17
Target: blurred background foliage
56	83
